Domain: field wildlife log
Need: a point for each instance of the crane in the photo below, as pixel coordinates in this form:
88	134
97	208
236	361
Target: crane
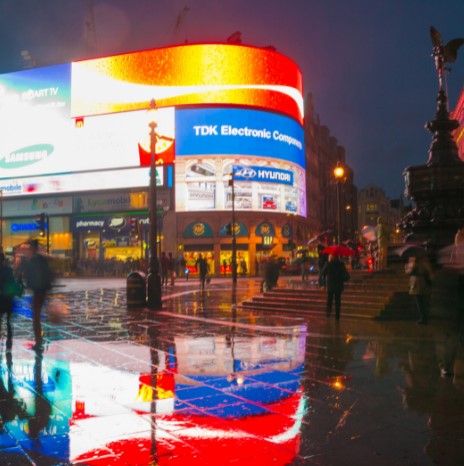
177	25
90	31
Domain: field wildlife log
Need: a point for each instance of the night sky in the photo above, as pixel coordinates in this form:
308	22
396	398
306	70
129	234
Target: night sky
367	62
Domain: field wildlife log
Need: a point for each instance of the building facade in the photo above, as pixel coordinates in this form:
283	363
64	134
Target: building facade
373	203
323	154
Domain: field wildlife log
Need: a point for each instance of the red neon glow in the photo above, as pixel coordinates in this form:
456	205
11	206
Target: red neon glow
198	440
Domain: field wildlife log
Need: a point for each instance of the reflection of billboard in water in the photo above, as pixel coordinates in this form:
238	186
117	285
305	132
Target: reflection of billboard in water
35	408
251	384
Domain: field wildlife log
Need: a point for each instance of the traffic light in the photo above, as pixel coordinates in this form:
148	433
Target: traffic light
40	222
229	228
134	227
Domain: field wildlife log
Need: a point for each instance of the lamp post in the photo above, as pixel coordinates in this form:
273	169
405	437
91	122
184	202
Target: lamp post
234	239
153	279
339	173
1	220
163	211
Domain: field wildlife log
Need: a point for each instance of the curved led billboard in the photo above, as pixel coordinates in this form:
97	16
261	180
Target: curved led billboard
219	107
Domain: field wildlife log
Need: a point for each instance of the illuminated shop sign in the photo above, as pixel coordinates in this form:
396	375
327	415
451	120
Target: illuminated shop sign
78	182
265	229
21	227
198	230
239	131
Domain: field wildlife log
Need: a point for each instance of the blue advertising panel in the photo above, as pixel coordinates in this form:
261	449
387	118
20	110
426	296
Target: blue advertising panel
239	131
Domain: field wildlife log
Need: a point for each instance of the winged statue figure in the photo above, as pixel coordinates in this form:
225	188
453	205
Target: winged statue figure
443	53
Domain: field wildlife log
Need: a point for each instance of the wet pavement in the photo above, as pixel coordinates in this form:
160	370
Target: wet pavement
203	382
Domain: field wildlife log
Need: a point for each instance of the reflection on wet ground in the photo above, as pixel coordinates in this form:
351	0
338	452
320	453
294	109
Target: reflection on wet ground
202	382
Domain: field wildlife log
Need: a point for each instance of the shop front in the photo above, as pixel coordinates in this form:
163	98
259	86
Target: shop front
106	244
198	237
242	235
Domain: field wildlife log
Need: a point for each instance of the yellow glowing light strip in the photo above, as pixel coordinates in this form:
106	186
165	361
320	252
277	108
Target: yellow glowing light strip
102	89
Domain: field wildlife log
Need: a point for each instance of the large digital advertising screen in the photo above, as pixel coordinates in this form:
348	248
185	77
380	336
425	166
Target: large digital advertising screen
262	151
63	126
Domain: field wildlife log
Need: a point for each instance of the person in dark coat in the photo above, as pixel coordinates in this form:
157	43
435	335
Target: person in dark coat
38	278
202	267
7	283
335	275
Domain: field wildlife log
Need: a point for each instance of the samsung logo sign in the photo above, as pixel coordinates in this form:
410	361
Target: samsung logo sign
263	174
26	156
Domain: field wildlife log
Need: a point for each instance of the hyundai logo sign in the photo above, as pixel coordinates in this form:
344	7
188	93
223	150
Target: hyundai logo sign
246	172
263	174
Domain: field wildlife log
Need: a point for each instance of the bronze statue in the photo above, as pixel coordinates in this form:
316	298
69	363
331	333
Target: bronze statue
443	53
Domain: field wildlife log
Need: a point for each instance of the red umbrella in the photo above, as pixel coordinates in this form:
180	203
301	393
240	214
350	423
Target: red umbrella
338	250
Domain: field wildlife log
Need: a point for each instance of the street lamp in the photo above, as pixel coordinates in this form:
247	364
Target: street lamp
164	209
153	279
234	239
1	220
339	173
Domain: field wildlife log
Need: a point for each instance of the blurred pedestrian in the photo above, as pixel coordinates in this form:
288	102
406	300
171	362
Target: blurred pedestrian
38	278
304	268
458	251
271	274
244	267
420	284
202	267
164	264
172	266
182	264
7	293
321	261
336	275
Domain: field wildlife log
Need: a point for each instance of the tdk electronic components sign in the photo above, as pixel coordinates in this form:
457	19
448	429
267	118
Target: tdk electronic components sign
239	131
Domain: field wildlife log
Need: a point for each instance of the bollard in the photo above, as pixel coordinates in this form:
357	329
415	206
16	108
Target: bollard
136	288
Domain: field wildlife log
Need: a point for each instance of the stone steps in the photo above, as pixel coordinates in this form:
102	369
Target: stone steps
368	295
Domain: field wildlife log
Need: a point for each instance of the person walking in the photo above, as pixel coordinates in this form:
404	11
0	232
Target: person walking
7	293
172	268
164	263
420	284
335	275
202	267
38	277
